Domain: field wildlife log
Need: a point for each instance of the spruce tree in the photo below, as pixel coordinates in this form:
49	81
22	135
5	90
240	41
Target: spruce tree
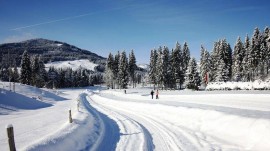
132	67
109	71
123	71
166	64
205	65
68	77
116	70
177	67
185	56
53	78
255	53
25	69
246	62
214	59
35	70
192	77
42	73
237	68
16	74
171	77
159	67
152	67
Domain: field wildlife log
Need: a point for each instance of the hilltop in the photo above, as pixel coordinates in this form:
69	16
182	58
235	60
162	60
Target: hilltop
50	50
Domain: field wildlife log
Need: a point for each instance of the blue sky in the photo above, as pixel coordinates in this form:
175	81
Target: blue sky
104	26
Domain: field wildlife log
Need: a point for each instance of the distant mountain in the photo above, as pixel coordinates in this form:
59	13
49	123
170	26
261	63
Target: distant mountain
144	66
50	50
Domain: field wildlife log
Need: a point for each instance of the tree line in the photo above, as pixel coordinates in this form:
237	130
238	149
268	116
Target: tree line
120	71
33	73
247	61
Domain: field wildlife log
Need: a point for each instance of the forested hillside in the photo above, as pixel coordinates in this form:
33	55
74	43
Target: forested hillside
50	51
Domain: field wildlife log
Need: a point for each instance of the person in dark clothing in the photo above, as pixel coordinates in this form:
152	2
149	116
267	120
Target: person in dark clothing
157	94
152	93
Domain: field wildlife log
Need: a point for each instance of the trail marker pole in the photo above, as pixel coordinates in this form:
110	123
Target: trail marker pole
70	116
11	141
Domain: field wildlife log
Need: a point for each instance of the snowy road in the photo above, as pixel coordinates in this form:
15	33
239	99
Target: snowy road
174	124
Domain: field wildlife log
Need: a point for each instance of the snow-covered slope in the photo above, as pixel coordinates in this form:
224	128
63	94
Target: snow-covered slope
144	66
76	64
40	119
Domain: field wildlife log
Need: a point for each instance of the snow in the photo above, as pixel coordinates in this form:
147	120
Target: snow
257	85
144	66
113	120
9	126
74	65
59	45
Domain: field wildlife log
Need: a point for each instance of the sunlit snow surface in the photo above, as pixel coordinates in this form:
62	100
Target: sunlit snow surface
112	120
74	65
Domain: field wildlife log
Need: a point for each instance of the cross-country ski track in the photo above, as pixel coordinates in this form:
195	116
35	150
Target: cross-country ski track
147	124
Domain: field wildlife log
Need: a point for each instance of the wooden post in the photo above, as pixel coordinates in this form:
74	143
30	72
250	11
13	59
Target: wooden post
70	116
11	141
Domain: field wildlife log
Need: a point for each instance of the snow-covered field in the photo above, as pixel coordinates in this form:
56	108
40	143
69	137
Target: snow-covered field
74	65
112	120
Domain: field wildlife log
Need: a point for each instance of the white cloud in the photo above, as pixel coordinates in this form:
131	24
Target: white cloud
18	38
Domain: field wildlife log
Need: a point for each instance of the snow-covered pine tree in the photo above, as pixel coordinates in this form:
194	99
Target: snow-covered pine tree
166	64
222	72
84	78
152	67
159	68
192	76
132	67
214	59
62	80
109	71
265	52
25	77
246	63
237	67
116	70
53	78
226	55
185	56
255	53
35	70
42	73
171	77
68	77
177	67
221	51
10	73
267	44
204	65
123	71
15	74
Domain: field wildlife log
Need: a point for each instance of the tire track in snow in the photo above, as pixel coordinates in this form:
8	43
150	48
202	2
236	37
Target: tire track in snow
163	137
106	126
130	128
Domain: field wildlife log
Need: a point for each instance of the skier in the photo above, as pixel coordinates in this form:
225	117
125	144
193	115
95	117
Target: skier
157	94
152	93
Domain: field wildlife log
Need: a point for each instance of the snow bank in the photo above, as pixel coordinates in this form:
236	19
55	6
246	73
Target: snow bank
256	85
79	135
